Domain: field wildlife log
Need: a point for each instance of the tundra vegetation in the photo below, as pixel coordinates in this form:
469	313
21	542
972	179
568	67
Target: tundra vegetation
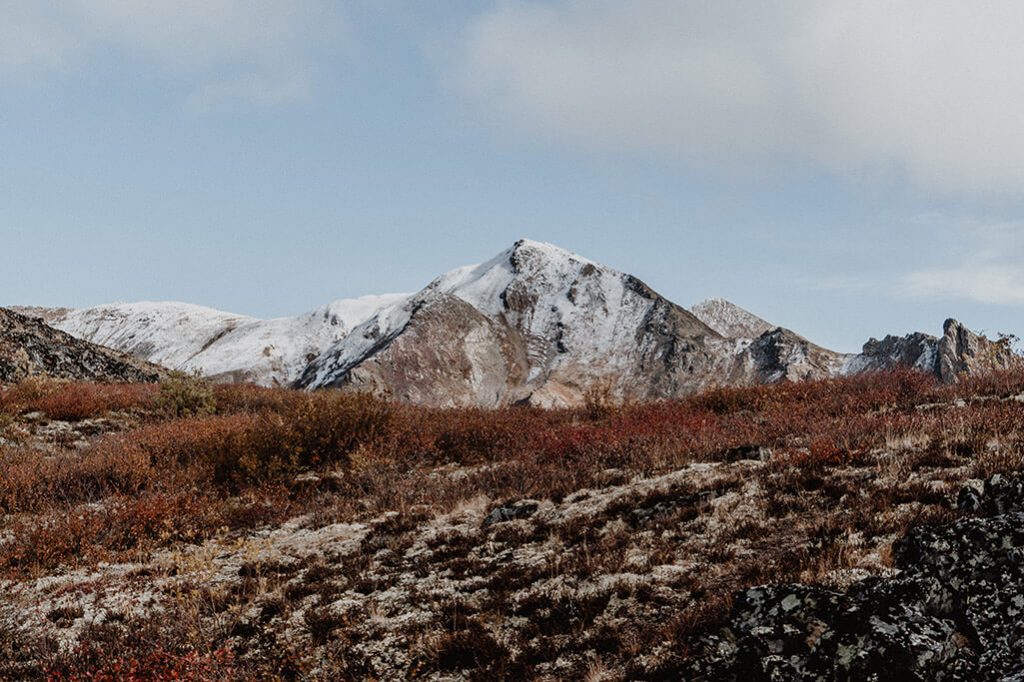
190	531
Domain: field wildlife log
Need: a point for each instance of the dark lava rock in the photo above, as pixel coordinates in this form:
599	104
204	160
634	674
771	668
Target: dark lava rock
955	611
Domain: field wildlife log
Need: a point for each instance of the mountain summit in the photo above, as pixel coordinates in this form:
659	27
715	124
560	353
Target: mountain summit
534	323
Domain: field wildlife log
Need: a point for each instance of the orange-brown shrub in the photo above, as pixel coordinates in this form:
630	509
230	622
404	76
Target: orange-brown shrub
116	526
74	401
95	663
30	481
308	431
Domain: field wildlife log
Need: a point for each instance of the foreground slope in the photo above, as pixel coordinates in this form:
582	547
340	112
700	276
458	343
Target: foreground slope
858	528
31	348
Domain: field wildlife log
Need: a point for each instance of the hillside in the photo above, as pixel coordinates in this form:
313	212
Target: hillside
844	529
30	348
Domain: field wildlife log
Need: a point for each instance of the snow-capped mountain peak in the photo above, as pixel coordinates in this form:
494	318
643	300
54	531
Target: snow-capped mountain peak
563	319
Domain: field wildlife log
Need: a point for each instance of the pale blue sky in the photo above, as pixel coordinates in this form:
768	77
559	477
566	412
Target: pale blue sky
828	168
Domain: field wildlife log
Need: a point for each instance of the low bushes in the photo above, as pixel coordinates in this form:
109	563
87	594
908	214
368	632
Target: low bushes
74	401
311	430
240	446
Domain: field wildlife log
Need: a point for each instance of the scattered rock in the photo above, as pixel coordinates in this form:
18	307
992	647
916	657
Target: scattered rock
955	611
517	510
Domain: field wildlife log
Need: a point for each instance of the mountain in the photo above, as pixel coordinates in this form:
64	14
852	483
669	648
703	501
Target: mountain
542	325
221	345
535	324
31	348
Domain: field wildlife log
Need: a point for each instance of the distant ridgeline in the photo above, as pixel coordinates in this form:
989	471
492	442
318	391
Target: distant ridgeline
535	325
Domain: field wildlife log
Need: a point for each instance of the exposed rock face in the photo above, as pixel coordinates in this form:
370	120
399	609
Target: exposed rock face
958	352
917	350
447	349
961	351
782	355
953	612
30	348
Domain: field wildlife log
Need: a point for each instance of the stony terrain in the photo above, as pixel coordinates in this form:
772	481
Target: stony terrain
30	348
535	324
817	530
951	610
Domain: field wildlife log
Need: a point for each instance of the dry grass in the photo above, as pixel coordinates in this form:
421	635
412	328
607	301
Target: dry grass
816	479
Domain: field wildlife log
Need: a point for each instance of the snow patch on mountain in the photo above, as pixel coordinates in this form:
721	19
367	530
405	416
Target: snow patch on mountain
730	320
220	344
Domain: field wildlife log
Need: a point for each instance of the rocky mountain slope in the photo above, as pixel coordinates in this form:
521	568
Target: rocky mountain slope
535	324
30	348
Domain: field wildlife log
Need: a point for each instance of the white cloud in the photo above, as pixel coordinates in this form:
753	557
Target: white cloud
986	263
981	281
262	51
931	91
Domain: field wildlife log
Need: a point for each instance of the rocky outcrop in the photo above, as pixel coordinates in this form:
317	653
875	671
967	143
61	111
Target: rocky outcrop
30	348
782	355
961	351
917	350
958	352
953	611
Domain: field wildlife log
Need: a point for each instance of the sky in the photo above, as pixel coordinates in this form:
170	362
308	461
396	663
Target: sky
844	169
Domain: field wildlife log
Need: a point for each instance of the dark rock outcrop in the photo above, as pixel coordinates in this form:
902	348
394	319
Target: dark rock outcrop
961	351
958	352
30	348
954	611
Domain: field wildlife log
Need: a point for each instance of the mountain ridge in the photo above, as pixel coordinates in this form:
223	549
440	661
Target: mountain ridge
534	324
